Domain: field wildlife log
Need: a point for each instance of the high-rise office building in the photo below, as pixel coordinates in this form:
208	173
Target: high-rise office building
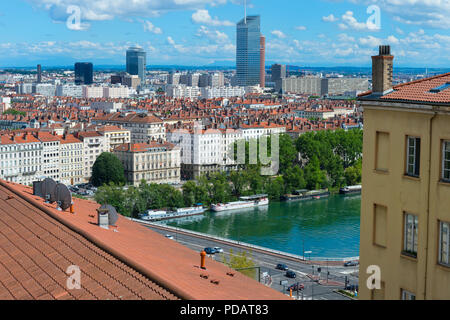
136	62
39	74
278	72
84	73
262	68
248	51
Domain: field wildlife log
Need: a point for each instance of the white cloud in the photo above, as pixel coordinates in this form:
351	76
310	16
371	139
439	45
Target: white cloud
430	13
279	34
350	22
148	26
301	28
330	18
100	10
203	17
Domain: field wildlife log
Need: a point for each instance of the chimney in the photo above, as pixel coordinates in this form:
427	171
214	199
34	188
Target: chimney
382	71
103	218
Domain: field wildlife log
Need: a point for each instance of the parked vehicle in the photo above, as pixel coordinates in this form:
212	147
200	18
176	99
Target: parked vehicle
351	264
352	287
168	236
282	266
291	274
296	287
210	251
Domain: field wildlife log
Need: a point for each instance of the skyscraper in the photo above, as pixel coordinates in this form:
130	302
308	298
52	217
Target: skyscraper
84	73
278	72
248	51
136	62
39	74
262	68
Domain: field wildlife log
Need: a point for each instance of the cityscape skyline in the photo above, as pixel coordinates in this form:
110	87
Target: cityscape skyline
321	33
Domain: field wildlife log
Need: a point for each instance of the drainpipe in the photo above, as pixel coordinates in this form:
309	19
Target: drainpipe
428	199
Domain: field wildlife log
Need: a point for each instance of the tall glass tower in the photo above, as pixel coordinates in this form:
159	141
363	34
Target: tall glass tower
84	73
136	62
248	51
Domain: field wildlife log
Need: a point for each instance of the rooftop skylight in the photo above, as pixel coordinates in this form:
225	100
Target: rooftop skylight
440	88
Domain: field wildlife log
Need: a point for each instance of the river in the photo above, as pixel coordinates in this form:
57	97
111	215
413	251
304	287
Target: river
328	228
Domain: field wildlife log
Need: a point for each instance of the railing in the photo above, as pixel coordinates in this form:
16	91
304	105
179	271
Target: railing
251	246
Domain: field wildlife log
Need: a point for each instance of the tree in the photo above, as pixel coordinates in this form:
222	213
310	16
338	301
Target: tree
241	260
107	168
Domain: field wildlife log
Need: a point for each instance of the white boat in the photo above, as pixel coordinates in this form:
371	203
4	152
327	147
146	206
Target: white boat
351	189
154	215
245	202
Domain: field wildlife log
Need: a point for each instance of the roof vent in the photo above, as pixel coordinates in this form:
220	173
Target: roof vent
107	216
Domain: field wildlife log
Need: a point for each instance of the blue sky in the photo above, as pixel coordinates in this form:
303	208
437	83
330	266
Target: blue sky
202	32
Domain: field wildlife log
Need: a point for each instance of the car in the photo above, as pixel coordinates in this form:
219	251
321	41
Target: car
351	264
282	266
168	236
218	249
352	287
210	251
291	274
296	287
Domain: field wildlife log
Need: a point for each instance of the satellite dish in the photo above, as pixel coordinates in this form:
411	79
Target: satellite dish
112	213
63	196
48	188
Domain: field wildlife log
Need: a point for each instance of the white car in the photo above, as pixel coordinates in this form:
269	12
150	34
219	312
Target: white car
168	236
218	250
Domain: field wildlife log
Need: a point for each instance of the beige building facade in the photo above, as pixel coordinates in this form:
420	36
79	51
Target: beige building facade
153	162
405	211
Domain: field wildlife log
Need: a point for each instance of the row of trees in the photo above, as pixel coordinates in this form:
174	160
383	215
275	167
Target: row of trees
326	159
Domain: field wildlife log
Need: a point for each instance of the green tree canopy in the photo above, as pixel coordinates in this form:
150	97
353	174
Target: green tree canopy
107	168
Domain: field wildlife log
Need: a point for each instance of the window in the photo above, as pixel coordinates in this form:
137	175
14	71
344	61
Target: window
380	226
446	161
444	242
406	295
382	154
413	157
411	235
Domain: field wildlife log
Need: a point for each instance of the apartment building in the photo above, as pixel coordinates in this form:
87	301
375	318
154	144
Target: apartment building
258	130
94	144
20	158
115	136
71	160
405	215
143	127
204	151
153	162
50	154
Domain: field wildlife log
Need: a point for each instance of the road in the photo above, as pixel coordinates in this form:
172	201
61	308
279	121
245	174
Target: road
268	261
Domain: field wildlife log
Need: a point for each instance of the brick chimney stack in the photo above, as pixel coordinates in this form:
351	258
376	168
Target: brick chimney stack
382	70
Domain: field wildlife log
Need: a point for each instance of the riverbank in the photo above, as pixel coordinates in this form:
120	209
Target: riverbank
325	228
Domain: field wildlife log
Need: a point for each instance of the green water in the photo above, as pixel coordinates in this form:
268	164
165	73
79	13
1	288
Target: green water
327	227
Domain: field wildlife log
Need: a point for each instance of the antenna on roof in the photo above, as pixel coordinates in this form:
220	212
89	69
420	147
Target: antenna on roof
63	197
245	11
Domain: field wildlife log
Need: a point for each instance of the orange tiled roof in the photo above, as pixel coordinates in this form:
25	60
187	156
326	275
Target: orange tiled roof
159	260
420	91
37	250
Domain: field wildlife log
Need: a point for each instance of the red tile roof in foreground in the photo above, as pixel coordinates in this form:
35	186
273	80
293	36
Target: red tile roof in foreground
38	243
419	91
36	251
